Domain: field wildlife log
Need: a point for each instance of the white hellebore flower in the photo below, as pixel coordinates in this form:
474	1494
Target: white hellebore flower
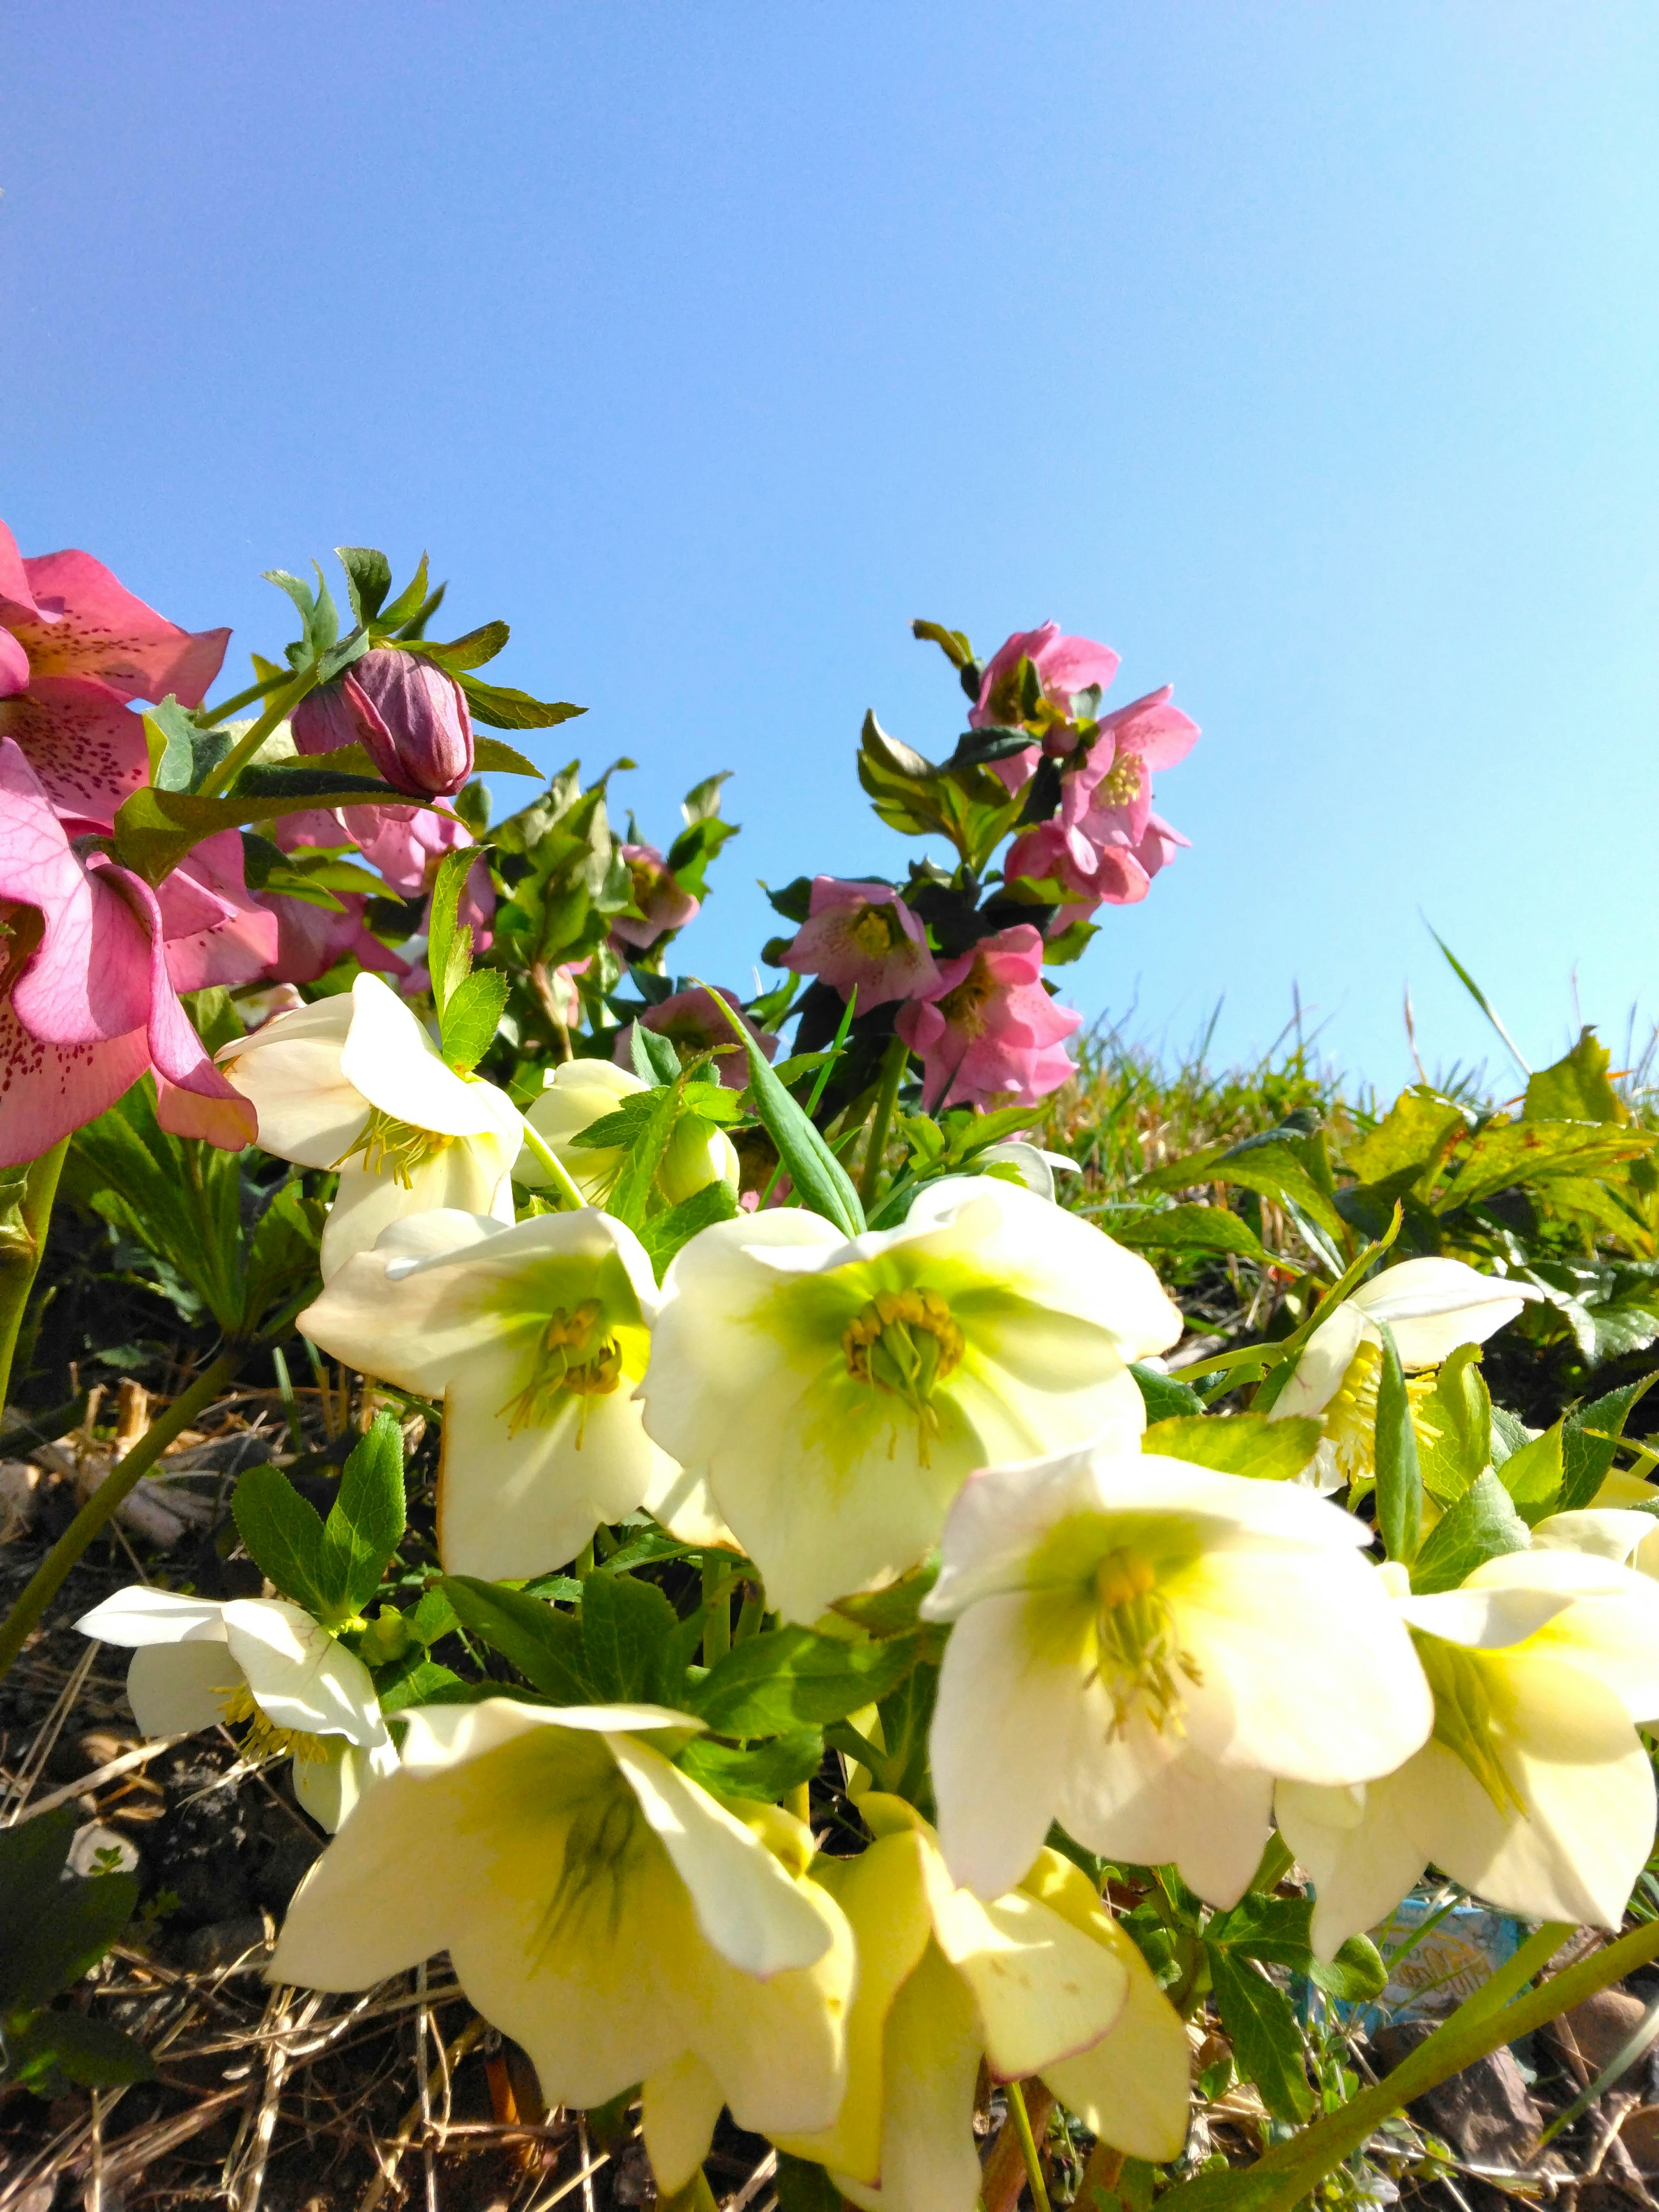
1140	1646
837	1392
1534	1790
1619	1523
580	1092
198	1662
1040	1981
355	1083
600	1909
535	1337
1432	1306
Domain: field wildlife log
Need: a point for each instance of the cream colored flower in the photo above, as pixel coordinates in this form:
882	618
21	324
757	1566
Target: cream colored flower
1139	1646
602	1910
197	1663
836	1393
580	1092
1534	1791
1040	1981
355	1083
535	1338
1432	1306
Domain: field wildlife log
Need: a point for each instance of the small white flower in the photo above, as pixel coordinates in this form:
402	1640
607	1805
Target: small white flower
602	1910
197	1663
580	1092
535	1338
1535	1791
1432	1307
354	1082
1140	1646
837	1392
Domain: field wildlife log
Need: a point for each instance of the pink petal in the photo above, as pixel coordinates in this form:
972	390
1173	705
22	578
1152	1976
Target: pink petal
105	632
48	1089
15	597
14	667
1159	732
192	1098
86	747
234	940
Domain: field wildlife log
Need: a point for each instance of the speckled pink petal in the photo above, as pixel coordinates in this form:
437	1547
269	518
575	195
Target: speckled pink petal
101	630
14	667
15	597
233	939
86	747
192	1098
48	1089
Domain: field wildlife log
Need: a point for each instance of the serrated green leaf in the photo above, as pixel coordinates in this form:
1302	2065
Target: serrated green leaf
505	709
1399	1477
895	1609
1273	1929
1357	1972
365	1523
495	756
1531	1474
818	1176
416	1681
630	1194
368	578
1190	1229
1483	1524
1587	1440
655	1059
1266	2041
1453	1423
663	1235
1576	1087
790	1677
545	1645
449	941
1238	1443
1165	1396
471	1016
283	1535
624	1625
766	1774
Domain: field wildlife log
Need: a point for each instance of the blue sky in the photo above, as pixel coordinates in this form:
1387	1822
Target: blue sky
1306	355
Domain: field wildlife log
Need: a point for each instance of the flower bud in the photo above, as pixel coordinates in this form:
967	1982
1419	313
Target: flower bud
409	715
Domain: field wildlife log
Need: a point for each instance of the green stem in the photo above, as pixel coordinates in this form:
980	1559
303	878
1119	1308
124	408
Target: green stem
249	743
210	717
1028	2146
22	1263
897	1059
109	1494
557	1174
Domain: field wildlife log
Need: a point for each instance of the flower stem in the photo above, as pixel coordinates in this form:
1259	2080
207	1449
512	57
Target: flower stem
109	1494
249	743
1028	2145
22	1245
557	1174
893	1066
210	717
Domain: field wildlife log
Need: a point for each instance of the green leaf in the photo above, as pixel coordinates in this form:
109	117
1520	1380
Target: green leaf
1357	1972
803	2187
703	799
57	2047
1525	1152
630	1194
1400	1154
495	756
788	1677
1190	1229
1532	1475
408	603
1275	1930
952	643
368	578
545	1645
624	1625
33	1856
471	1016
1482	1525
765	1774
365	1525
663	1235
513	710
818	1176
1238	1443
283	1535
1454	1426
1575	1088
1167	1398
472	651
1399	1477
449	941
896	1608
433	1617
416	1681
655	1060
1273	1166
1587	1440
66	1928
1266	2041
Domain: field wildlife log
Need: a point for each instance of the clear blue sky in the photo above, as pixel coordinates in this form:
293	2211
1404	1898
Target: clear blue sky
1306	354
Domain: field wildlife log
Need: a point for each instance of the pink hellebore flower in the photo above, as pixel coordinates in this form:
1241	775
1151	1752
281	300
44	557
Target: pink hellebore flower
87	1000
405	843
689	1021
1065	666
409	716
75	646
659	899
990	1034
863	934
1148	733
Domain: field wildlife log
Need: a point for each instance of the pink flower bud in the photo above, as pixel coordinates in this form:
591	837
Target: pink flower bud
409	715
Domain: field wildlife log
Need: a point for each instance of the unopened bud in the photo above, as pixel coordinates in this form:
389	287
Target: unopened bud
409	716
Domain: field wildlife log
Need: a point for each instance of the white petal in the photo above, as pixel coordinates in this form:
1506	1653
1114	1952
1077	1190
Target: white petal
139	1615
1608	1533
1433	1306
1323	1363
469	1176
680	2104
1358	1847
1010	1690
928	2162
684	1504
176	1688
396	1065
1154	1799
309	1112
1611	1630
746	1905
329	1788
581	1092
1484	1620
301	1678
438	1235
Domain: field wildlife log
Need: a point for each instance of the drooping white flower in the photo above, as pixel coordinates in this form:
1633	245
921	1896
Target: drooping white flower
1534	1791
837	1392
1039	1981
354	1082
1140	1646
197	1663
535	1338
1432	1306
602	1909
580	1092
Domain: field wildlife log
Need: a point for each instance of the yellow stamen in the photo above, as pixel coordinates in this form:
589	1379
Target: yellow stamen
1121	785
875	930
905	1342
395	1148
1137	1643
574	1356
262	1741
1351	1416
963	1008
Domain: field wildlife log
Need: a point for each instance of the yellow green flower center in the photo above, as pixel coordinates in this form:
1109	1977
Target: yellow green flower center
262	1741
1351	1416
600	1841
875	930
572	1356
1121	785
905	1342
1138	1649
395	1148
963	1008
